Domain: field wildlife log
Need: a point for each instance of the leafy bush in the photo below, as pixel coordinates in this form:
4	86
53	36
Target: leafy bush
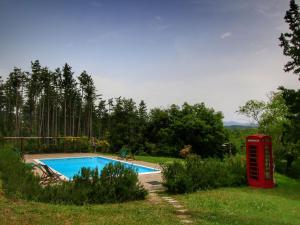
196	173
67	144
17	179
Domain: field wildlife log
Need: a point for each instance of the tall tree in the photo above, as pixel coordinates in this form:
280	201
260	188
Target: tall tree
2	108
14	91
290	41
68	84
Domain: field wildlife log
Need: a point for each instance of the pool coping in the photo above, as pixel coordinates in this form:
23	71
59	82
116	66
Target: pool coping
122	161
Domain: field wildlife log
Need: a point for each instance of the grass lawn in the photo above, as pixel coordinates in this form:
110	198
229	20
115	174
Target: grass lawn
154	159
140	212
245	205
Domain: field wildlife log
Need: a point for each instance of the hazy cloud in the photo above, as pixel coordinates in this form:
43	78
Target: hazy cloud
226	35
95	4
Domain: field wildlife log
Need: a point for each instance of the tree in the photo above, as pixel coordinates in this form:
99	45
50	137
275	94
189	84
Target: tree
68	84
291	129
290	41
14	92
252	109
195	125
88	92
2	108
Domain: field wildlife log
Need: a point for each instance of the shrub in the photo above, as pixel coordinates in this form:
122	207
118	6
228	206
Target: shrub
176	179
196	173
17	179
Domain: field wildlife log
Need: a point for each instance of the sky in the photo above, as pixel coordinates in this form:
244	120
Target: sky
221	52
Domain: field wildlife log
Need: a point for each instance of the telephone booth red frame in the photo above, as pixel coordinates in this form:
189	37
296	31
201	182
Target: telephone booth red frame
259	161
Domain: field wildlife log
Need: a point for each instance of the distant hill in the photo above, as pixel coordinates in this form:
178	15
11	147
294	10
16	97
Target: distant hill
238	125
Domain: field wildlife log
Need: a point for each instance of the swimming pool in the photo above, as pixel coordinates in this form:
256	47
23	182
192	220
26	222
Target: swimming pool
68	167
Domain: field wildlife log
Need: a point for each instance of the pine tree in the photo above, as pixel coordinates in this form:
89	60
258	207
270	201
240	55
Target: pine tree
290	41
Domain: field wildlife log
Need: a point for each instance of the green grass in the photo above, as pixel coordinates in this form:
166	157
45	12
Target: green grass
246	205
154	159
17	212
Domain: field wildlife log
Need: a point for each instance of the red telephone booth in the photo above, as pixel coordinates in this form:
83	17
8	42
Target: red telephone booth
259	161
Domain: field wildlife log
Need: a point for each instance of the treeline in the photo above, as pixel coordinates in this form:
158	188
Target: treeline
57	103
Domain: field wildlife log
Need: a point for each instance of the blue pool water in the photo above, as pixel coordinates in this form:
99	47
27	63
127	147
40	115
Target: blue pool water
72	166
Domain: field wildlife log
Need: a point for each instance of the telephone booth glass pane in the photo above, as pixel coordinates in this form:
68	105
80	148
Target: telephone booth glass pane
253	167
267	163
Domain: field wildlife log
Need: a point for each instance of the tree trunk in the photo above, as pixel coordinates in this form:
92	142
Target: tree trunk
65	118
42	119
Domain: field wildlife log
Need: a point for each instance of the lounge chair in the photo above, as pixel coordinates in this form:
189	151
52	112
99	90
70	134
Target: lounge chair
48	176
123	154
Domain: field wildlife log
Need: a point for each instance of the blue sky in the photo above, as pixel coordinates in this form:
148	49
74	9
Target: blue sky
221	52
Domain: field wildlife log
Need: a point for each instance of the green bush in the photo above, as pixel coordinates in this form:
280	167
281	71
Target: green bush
294	171
17	178
196	173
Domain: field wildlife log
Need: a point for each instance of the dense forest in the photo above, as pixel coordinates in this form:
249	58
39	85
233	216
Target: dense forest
57	103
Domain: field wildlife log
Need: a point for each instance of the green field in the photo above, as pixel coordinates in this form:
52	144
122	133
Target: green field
16	212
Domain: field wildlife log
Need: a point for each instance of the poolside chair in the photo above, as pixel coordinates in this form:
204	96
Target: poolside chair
48	176
123	154
126	154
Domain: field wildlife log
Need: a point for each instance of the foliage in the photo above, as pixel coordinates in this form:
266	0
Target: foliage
195	173
237	136
195	125
17	179
67	144
252	109
290	41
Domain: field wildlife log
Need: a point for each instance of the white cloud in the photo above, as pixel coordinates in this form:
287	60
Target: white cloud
158	24
96	4
226	35
158	18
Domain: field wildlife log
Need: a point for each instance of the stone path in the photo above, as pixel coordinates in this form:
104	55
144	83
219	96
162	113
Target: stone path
182	213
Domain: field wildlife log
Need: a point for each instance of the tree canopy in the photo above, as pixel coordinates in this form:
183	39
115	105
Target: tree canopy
59	103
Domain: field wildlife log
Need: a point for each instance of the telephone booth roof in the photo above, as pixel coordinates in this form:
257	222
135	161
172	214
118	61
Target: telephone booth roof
258	136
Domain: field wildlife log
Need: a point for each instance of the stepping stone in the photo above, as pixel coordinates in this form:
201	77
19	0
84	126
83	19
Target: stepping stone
187	221
177	206
172	201
167	198
182	217
182	211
